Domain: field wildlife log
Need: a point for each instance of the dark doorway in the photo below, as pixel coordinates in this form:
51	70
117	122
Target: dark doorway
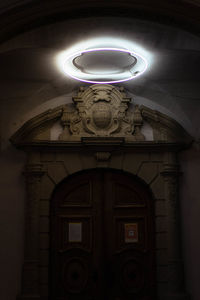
102	238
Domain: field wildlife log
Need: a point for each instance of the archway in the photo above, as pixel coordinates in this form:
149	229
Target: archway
155	162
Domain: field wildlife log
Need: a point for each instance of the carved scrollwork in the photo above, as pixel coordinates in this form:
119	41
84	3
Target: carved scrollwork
101	111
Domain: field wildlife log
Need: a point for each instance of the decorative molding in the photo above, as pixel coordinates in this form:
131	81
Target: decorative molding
102	156
164	127
170	170
34	170
32	127
100	112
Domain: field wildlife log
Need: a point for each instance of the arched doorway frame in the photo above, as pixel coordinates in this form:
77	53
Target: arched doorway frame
158	169
142	212
50	161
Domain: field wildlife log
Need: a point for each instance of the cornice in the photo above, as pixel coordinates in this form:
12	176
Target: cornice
161	121
101	146
36	122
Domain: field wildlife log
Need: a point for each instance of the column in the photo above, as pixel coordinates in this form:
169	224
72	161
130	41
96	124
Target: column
30	278
175	265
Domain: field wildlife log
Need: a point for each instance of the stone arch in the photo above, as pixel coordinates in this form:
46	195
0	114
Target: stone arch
135	177
154	162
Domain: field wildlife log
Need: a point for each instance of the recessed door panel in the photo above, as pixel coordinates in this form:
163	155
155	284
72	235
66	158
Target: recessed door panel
102	238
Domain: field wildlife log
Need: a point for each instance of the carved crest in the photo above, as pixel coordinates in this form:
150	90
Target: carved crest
101	111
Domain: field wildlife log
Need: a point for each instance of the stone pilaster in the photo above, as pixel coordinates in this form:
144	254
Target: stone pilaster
175	265
30	278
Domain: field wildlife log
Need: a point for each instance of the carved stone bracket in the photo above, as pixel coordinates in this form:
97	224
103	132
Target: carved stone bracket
102	156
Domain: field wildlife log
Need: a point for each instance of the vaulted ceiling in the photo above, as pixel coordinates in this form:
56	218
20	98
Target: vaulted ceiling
32	33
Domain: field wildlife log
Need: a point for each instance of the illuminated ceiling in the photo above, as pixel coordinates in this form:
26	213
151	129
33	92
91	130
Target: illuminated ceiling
30	76
104	60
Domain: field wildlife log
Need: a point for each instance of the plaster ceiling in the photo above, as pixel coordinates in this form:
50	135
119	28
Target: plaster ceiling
30	77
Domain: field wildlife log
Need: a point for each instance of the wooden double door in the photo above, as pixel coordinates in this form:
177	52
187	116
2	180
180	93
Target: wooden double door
102	238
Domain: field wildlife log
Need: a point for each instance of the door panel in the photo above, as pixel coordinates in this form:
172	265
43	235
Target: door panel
102	238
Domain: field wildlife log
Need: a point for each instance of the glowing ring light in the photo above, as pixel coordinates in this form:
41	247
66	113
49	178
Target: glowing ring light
74	70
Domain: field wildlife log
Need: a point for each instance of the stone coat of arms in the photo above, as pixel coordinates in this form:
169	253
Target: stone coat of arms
101	111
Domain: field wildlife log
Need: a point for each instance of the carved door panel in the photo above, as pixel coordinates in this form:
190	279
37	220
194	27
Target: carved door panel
102	239
130	239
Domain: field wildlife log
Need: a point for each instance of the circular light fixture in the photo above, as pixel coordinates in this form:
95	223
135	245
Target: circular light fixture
104	65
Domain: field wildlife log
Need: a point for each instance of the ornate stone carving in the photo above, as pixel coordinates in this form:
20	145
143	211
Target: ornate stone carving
69	119
101	111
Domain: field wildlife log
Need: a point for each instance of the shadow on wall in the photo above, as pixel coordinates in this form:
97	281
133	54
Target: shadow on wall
190	208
